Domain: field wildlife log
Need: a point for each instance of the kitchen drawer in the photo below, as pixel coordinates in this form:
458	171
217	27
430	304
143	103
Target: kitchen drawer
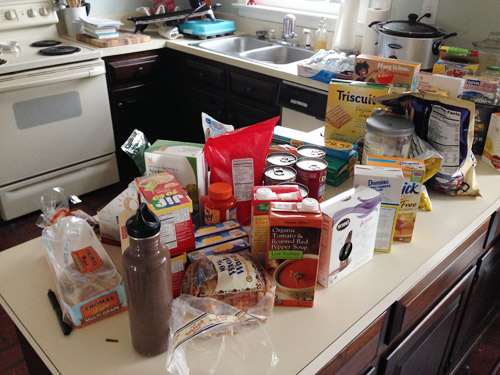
199	73
493	230
254	88
136	67
410	308
241	115
359	355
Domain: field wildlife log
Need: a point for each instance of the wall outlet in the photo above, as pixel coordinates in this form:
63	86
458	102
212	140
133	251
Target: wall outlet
429	6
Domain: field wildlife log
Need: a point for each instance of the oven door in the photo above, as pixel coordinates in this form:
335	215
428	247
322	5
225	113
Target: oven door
53	118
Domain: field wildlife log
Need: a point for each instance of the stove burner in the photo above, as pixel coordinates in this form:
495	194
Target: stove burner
2	61
58	50
45	43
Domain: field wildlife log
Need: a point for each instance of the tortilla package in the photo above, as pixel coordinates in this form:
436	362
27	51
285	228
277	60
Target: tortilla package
447	124
239	158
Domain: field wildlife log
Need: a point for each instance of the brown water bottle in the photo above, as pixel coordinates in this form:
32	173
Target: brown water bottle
148	283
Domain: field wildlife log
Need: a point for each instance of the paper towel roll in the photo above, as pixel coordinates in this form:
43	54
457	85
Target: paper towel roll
370	36
345	32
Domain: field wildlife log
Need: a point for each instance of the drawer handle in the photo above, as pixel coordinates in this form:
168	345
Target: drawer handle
250	89
140	71
201	75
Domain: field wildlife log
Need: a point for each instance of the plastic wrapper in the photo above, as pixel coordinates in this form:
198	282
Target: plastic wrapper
134	147
236	279
209	337
212	127
325	65
238	158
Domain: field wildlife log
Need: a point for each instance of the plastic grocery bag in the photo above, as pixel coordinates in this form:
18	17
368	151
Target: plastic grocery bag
134	146
208	337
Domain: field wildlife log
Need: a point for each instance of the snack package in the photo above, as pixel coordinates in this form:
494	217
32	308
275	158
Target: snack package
234	278
134	146
208	336
239	158
212	127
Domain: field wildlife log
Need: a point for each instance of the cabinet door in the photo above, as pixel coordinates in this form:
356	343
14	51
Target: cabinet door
425	349
241	115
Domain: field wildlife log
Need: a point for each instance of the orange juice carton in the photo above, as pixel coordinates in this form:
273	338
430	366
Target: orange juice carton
221	237
293	251
491	151
389	183
262	196
187	163
401	75
167	199
350	222
413	171
349	104
232	246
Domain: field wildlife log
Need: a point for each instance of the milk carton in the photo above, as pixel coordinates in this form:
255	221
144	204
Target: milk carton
413	171
350	222
389	183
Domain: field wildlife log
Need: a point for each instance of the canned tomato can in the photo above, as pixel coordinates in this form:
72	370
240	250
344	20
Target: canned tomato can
311	172
304	191
310	151
274	175
281	159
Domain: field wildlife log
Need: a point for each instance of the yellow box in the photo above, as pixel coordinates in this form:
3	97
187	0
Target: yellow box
349	105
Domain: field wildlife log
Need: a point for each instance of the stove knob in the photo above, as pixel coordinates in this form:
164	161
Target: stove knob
44	11
32	13
11	15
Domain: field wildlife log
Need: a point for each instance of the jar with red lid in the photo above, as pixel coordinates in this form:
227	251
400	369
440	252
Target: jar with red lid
220	204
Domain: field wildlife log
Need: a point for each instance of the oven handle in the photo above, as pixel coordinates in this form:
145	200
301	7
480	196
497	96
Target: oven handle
24	83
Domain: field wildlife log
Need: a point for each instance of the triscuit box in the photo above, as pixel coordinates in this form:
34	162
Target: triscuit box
126	203
166	198
186	162
349	105
350	222
413	171
491	151
389	183
401	75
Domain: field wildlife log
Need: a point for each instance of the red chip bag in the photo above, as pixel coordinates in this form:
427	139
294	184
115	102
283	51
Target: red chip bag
239	158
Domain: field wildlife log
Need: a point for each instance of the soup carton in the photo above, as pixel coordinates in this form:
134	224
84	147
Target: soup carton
413	171
350	222
491	151
389	183
293	251
262	196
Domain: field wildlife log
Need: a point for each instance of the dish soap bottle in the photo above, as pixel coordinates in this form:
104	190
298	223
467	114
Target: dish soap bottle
321	36
148	283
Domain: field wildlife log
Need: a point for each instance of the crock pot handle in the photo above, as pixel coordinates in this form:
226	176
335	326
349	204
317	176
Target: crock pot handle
426	15
374	23
437	44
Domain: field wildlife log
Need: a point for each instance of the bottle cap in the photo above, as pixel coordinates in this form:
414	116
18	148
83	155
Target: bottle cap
309	205
143	224
265	194
220	191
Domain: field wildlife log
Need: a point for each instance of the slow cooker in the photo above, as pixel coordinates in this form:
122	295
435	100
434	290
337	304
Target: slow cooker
410	40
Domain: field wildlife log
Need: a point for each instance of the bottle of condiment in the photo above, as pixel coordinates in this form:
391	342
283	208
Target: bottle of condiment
148	283
220	204
321	36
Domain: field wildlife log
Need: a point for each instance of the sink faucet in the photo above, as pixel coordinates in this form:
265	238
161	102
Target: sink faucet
288	35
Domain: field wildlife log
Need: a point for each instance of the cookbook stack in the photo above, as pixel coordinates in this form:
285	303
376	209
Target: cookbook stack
101	28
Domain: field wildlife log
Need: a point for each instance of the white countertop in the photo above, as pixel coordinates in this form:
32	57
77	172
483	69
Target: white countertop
305	339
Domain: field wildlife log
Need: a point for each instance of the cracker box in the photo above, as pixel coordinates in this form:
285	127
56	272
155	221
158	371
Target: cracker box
491	152
413	171
350	222
166	198
389	183
349	105
262	196
401	75
428	82
187	163
215	228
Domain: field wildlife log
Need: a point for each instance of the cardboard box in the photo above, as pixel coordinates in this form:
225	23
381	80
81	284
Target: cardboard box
480	90
389	183
401	75
349	105
221	237
350	222
166	198
413	171
215	228
187	163
429	82
232	246
491	152
178	265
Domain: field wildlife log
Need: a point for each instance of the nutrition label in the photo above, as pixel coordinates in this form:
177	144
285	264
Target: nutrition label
243	179
444	135
385	228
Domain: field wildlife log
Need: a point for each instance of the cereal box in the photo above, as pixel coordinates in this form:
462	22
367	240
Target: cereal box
349	105
166	198
401	75
413	171
491	152
389	183
187	163
350	222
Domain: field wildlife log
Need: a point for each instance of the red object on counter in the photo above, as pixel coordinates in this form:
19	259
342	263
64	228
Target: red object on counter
220	204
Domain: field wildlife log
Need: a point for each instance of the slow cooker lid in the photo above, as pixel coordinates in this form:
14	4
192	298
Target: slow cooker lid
410	28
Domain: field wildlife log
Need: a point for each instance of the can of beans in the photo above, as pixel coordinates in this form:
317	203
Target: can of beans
281	159
310	151
274	175
312	173
304	191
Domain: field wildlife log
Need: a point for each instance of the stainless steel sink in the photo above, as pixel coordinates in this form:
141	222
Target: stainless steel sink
250	48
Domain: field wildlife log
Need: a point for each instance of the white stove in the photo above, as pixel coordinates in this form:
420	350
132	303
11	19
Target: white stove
56	123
